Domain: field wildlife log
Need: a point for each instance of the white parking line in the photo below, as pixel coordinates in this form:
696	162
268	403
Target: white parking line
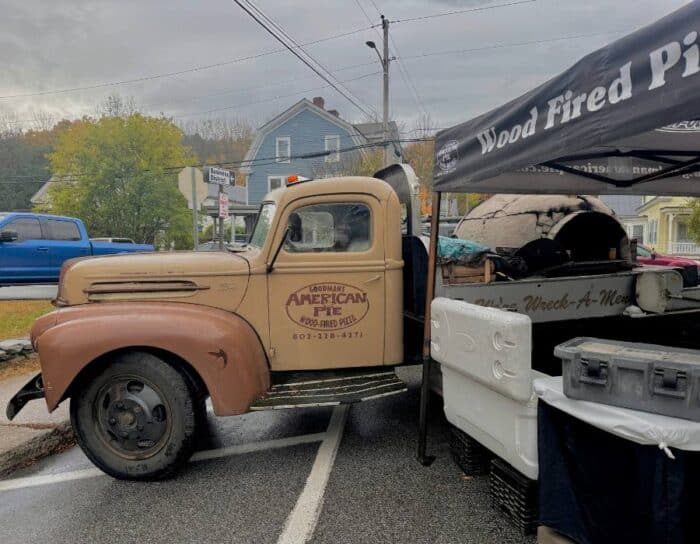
301	523
33	481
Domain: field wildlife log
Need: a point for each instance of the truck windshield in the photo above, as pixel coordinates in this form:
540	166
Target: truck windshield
262	227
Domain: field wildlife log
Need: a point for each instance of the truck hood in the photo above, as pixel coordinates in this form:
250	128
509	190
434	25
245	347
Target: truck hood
217	279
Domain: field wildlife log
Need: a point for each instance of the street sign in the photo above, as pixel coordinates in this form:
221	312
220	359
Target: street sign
219	176
223	206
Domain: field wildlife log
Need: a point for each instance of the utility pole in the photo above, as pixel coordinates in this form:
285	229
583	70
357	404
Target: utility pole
385	59
221	221
195	226
385	66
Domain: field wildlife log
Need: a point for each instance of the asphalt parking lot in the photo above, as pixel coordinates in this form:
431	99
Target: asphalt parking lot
316	475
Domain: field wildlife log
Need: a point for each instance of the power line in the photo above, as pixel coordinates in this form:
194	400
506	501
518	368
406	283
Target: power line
258	87
406	77
232	91
458	11
262	161
286	35
258	15
397	57
506	45
180	72
411	57
225	108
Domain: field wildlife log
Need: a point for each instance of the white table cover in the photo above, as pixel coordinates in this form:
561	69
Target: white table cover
640	427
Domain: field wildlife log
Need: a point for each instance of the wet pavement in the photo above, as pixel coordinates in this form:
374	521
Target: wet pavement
318	475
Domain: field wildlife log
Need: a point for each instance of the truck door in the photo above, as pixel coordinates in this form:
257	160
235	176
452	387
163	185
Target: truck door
327	288
27	258
66	243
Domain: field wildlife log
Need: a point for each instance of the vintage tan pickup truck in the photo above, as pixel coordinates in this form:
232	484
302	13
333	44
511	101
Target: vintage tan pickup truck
317	310
137	343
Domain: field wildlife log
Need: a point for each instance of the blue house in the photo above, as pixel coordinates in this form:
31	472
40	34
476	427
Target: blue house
303	129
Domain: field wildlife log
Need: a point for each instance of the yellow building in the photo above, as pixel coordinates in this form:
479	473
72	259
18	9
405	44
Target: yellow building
666	225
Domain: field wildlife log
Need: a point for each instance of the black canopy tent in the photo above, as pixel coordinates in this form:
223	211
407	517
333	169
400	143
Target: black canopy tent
625	119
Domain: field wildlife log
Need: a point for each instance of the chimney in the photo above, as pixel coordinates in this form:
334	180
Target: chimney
334	112
318	101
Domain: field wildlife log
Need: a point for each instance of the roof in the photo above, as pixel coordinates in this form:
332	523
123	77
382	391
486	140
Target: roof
40	196
624	205
374	132
622	120
279	120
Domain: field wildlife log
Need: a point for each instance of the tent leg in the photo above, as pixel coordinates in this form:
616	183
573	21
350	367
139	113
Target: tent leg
427	460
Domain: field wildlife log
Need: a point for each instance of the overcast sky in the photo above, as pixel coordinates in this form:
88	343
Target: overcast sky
47	46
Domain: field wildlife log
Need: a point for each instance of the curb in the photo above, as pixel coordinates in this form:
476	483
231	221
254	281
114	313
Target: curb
52	441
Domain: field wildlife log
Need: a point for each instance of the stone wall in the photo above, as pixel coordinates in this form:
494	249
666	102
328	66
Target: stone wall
9	349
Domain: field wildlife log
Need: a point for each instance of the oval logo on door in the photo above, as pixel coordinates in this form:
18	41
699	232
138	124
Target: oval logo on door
327	306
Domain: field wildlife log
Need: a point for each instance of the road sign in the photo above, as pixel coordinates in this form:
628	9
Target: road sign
219	176
223	206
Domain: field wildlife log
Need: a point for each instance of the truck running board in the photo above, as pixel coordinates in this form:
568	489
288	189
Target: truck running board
311	389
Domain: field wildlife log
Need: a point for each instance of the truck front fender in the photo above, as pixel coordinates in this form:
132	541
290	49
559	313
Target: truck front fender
220	346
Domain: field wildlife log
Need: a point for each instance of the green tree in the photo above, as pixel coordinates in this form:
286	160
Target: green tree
208	233
123	180
694	221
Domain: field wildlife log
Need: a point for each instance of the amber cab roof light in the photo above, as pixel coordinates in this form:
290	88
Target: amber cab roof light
291	180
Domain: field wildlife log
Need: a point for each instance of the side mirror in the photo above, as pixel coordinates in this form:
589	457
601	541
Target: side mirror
8	236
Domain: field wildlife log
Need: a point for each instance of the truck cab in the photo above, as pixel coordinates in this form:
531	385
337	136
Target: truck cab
330	254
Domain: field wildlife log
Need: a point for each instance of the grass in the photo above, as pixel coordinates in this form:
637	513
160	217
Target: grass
17	316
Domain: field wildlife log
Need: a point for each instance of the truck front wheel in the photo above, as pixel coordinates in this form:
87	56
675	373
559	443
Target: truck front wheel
136	418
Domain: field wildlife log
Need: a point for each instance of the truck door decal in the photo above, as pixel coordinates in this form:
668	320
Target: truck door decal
327	306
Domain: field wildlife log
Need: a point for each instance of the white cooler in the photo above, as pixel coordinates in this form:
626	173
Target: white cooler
485	358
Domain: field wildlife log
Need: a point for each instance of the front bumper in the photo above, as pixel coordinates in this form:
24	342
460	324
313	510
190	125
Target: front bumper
34	389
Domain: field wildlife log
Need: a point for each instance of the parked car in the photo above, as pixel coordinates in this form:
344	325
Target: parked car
647	255
34	246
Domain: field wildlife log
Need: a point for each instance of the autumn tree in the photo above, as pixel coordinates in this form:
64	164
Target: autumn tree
120	173
219	141
420	154
364	162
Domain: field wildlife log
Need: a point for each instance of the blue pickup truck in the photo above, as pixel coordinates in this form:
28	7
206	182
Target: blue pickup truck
34	246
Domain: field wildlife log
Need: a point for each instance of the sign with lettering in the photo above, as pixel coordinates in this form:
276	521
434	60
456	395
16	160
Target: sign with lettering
593	123
223	206
554	299
327	306
219	176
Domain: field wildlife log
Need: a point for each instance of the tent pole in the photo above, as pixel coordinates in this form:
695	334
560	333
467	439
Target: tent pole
424	459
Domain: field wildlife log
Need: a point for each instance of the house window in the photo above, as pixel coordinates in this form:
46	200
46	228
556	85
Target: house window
637	233
682	232
333	147
274	182
653	229
283	146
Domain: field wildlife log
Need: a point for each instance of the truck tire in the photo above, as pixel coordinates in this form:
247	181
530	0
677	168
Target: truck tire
136	418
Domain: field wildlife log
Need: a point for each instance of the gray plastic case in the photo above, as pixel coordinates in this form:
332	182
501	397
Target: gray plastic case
658	379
